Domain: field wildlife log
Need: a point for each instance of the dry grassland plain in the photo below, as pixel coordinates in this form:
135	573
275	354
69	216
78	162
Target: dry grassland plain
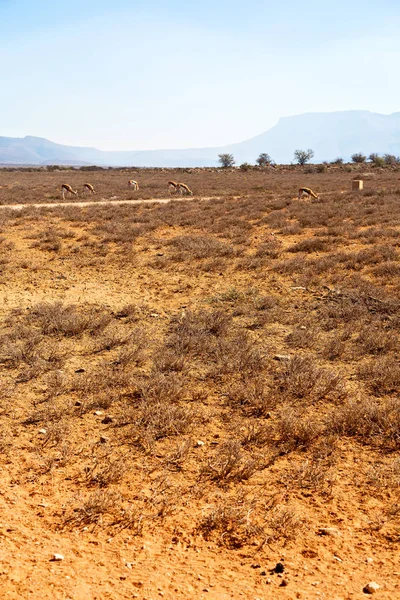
194	392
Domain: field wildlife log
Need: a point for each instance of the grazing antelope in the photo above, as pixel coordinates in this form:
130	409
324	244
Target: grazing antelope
303	191
184	190
173	187
67	188
133	184
87	187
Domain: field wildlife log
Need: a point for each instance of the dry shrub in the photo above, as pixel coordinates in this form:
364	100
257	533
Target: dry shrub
285	523
311	245
69	320
252	397
290	266
382	375
176	458
134	350
236	354
49	239
232	522
301	378
170	360
252	433
270	247
294	429
195	332
161	387
158	420
372	339
98	510
384	476
310	475
388	269
302	337
106	471
110	337
229	463
371	421
199	246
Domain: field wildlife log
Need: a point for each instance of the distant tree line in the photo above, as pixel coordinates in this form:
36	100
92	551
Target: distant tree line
302	157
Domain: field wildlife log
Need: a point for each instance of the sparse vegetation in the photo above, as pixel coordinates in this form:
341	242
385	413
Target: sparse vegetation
215	375
303	156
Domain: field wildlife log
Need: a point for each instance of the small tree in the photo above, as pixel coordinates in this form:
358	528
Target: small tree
245	166
303	156
337	161
358	157
390	159
264	160
376	160
226	160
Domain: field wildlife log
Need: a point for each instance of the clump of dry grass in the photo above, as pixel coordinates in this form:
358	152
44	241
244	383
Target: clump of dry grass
57	318
381	375
294	429
252	397
230	464
369	420
302	379
285	523
232	522
49	239
189	247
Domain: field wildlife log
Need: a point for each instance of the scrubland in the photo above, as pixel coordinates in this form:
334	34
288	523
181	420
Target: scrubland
193	392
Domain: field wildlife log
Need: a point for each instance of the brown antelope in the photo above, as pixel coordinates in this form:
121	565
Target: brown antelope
87	187
179	188
173	187
183	190
303	191
65	188
133	184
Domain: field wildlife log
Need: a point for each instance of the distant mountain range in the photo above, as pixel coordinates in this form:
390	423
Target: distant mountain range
330	135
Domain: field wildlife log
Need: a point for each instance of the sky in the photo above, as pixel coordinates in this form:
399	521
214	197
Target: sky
148	74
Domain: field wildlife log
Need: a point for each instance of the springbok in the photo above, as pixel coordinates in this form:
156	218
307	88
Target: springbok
303	191
65	188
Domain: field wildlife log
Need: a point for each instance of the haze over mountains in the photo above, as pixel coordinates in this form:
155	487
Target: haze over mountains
330	135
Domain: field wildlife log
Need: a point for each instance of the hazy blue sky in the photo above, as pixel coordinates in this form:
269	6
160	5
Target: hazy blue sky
141	74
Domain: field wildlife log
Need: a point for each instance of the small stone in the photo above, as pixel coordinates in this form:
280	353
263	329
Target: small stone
57	557
255	566
107	419
42	431
263	573
283	583
80	371
160	254
332	531
104	439
155	315
282	357
371	587
337	559
200	443
98	413
369	561
78	403
279	568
